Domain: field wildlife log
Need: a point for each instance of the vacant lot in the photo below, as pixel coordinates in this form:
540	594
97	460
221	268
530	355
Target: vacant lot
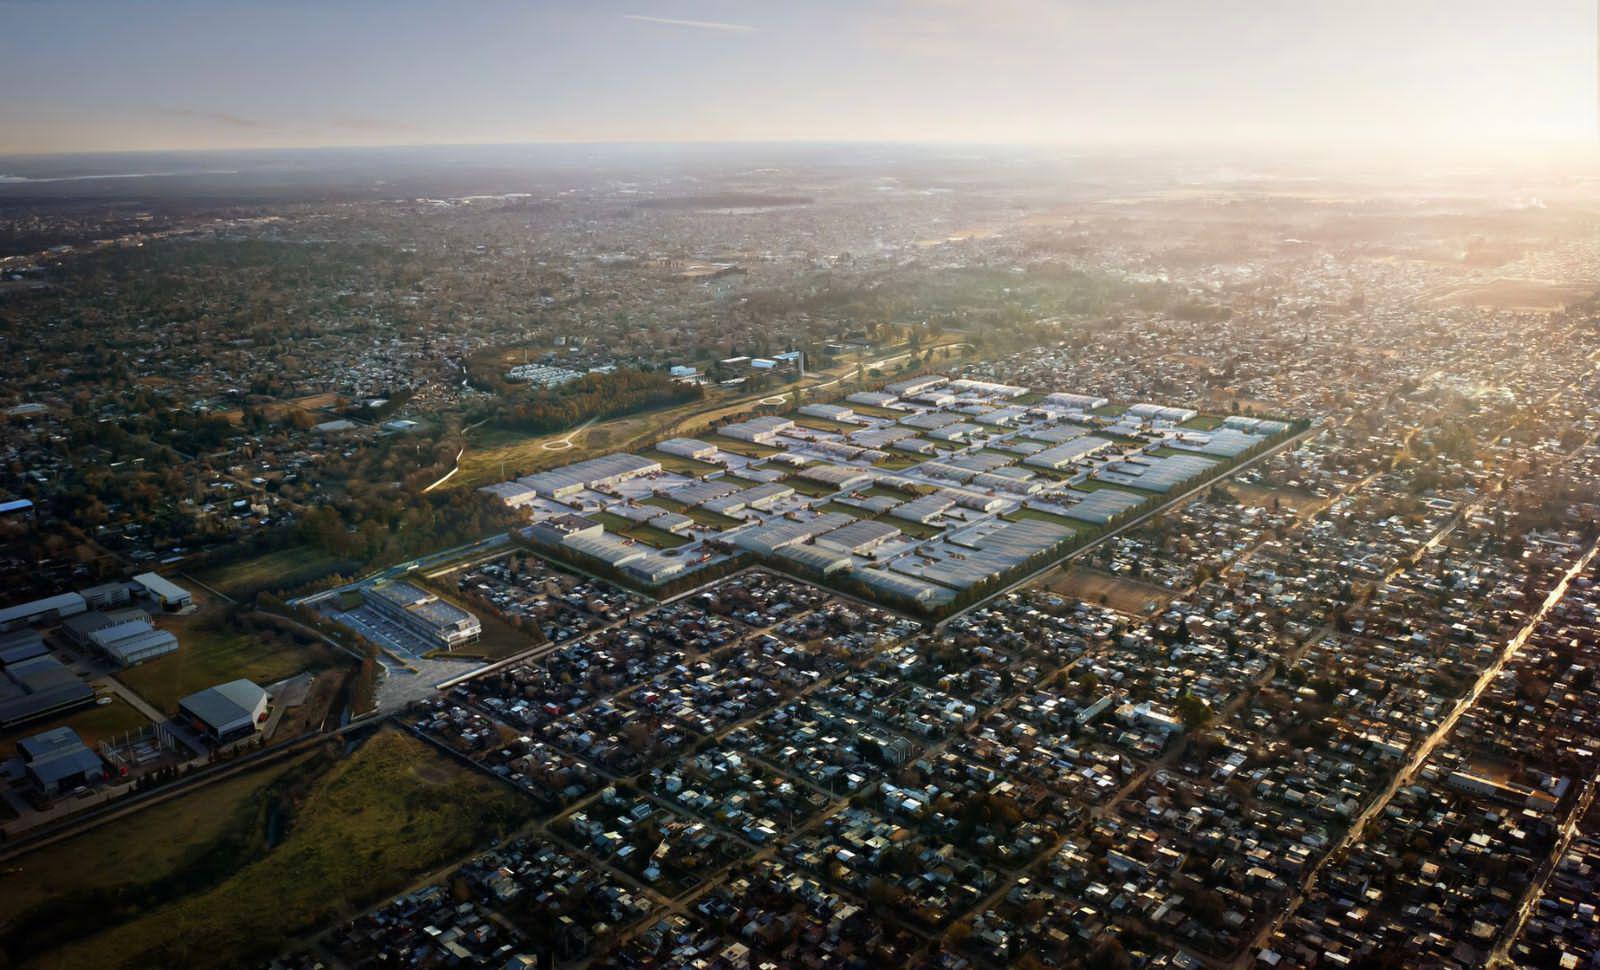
1117	592
210	653
1294	499
1531	295
390	812
120	870
284	569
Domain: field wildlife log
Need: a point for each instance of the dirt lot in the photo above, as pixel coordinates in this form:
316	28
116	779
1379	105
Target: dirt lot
1119	593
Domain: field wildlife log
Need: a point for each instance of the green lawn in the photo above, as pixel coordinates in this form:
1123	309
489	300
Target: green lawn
208	655
391	811
96	723
284	569
1202	422
712	520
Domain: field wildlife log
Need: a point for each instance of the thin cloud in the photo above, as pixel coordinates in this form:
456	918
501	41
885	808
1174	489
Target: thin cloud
695	24
216	117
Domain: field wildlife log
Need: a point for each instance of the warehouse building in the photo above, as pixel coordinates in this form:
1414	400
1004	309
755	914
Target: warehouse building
514	494
760	431
1068	453
924	509
915	385
169	595
47	610
132	642
830	412
872	399
226	712
605	471
859	538
556	530
1156	474
21	645
767	539
425	614
1074	402
842	477
106	595
688	448
40	686
1157	412
57	760
817	560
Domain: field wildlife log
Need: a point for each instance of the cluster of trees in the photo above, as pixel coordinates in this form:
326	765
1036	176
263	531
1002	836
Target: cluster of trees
595	396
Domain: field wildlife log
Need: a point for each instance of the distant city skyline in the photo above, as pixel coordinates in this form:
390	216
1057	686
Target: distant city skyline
94	75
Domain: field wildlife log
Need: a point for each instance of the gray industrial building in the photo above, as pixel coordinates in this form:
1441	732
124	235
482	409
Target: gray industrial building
57	760
423	613
226	712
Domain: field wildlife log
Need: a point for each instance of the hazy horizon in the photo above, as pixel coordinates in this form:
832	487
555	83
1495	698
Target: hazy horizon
184	75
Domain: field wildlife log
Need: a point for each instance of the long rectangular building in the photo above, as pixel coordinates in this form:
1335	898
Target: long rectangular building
569	480
425	614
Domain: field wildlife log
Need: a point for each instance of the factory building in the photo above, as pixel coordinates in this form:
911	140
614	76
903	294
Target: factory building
688	448
605	471
169	595
760	431
40	686
132	642
57	760
425	614
47	610
226	712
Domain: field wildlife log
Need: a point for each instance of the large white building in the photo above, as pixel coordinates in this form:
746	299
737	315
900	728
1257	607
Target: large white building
425	614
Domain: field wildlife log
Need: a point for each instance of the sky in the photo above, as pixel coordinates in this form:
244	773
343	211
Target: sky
94	75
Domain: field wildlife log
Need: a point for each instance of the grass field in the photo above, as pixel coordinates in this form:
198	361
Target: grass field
391	811
101	877
712	520
96	723
643	532
1202	422
747	448
283	569
680	464
209	654
1095	485
1035	515
823	424
1117	592
808	488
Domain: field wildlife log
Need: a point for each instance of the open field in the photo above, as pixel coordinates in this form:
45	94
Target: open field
1294	499
392	810
1117	592
209	654
96	723
1526	295
713	520
282	569
107	874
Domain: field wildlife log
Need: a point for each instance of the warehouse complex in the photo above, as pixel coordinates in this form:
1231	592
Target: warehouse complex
925	494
